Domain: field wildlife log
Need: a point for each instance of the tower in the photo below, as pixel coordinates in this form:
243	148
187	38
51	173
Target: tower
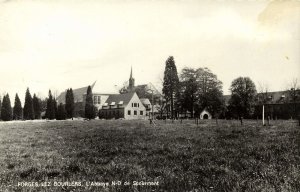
131	81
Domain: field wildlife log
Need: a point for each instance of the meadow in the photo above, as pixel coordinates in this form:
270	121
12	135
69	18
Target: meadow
91	155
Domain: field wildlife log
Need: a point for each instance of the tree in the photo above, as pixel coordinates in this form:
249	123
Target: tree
170	84
17	110
28	111
61	113
6	110
70	103
215	102
36	107
0	107
89	106
188	90
54	104
50	110
243	92
200	89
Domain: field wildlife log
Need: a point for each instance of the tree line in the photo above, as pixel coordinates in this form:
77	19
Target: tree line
193	90
34	106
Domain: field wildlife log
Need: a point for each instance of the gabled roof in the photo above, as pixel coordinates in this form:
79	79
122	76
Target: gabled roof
78	94
126	97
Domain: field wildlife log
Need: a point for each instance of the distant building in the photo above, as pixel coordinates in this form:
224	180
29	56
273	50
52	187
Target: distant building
123	106
277	104
80	97
101	100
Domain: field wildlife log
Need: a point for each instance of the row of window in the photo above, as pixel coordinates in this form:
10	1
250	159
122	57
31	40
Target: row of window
135	105
97	99
134	112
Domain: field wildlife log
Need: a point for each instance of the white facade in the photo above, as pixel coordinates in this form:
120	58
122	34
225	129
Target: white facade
135	109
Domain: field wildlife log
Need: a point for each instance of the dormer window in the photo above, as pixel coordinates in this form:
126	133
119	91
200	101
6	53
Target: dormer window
112	103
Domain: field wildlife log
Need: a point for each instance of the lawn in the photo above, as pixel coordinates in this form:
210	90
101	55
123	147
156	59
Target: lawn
92	155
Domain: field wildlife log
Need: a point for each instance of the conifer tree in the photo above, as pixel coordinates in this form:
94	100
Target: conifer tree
50	111
70	103
61	113
0	107
89	106
17	110
28	112
54	103
36	107
171	82
6	110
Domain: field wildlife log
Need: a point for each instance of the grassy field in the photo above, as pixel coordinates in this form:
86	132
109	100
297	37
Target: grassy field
170	157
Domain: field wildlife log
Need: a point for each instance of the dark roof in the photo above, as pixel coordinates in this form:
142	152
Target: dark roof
275	97
78	94
126	97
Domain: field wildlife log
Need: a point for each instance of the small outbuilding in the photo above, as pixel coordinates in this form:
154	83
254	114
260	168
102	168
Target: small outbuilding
205	115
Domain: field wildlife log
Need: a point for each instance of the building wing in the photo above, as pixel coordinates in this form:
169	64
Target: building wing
78	94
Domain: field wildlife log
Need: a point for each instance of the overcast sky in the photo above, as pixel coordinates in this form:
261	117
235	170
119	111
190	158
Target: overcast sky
60	44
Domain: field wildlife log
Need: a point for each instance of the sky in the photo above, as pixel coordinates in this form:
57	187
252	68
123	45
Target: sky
60	44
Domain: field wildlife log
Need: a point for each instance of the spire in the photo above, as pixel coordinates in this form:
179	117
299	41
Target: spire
131	81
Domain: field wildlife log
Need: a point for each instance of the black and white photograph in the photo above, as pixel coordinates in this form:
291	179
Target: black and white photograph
149	95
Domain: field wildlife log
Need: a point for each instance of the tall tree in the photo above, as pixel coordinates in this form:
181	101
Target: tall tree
215	102
189	88
50	110
0	107
89	106
28	111
61	113
17	110
70	106
36	107
243	92
54	104
6	110
171	82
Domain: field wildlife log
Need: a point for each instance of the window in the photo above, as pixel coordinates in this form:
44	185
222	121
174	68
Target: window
135	112
141	112
99	99
135	104
138	105
129	112
95	99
